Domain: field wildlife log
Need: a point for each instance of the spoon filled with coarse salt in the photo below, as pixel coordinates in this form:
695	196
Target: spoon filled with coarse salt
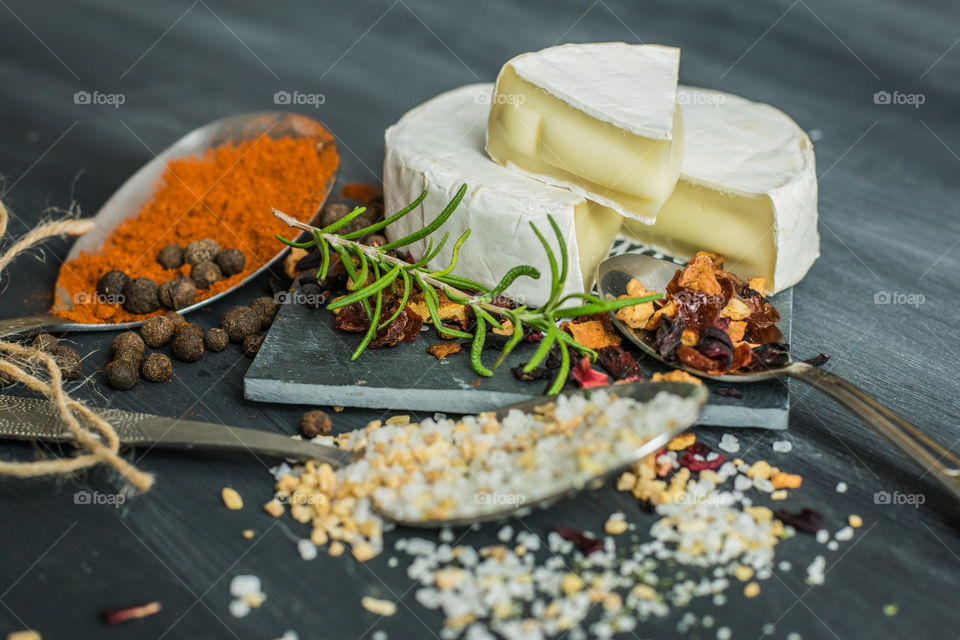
442	471
128	201
655	274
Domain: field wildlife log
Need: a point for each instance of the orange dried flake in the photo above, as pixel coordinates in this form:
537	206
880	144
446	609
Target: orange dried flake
677	375
689	337
700	274
362	192
681	442
736	309
736	331
443	349
715	258
593	334
758	284
669	309
781	480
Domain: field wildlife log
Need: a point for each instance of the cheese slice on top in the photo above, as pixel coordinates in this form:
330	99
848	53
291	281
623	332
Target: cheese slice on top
747	190
438	146
600	119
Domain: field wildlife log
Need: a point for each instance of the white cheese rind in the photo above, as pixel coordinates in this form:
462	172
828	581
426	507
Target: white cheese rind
753	160
439	146
631	86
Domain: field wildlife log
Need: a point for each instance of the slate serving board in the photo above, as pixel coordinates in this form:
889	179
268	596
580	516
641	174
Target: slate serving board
305	360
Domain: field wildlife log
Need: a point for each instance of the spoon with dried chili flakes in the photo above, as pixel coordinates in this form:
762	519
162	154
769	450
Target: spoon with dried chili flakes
713	324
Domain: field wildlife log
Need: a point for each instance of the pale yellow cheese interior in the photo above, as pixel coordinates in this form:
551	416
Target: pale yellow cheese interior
698	218
537	133
596	226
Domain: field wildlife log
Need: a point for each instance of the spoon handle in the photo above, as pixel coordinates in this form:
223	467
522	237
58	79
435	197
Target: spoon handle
936	459
13	326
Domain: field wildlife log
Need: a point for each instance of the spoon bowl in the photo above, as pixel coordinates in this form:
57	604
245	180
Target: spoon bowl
138	189
654	274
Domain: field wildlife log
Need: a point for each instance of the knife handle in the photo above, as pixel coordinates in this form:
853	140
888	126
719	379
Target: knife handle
35	419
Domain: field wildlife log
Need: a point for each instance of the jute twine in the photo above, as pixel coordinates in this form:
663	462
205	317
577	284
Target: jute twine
26	365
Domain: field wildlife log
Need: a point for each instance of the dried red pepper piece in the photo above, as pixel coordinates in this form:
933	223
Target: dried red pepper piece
116	615
584	543
688	457
619	363
588	377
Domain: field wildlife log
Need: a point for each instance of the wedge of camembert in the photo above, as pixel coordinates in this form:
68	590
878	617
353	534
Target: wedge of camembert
748	190
600	119
439	146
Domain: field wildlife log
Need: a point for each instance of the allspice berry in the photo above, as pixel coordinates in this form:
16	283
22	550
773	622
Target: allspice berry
127	339
156	368
252	344
68	361
140	296
188	327
129	355
267	307
333	212
231	262
175	318
112	283
177	293
216	339
205	274
315	423
121	375
157	331
171	256
239	322
188	347
45	342
201	251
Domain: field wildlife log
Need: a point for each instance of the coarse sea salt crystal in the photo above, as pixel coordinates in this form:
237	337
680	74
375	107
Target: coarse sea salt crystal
307	550
742	483
505	533
816	570
244	585
823	536
782	446
784	565
724	633
290	634
239	608
379	635
841	487
844	534
833	545
729	443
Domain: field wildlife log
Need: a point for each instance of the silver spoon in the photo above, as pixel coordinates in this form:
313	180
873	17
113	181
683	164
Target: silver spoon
654	274
34	419
137	190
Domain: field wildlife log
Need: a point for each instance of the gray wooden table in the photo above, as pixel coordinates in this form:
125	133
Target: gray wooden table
890	225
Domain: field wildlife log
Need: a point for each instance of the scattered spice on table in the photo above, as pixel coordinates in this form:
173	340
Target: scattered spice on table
224	195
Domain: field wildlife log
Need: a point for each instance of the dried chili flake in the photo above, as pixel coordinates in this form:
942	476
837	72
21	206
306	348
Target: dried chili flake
588	377
116	615
695	457
584	543
806	520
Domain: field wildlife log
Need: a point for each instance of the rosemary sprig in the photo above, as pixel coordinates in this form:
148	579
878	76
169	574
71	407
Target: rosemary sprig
389	272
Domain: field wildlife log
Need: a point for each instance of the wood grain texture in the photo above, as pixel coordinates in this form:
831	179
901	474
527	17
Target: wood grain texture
889	222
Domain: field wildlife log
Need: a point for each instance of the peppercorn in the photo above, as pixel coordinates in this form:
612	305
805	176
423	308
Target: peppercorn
140	296
188	327
177	293
127	339
157	331
216	339
129	355
156	368
267	307
205	274
201	251
187	347
171	256
112	283
175	318
252	344
239	322
315	423
68	361
231	261
45	342
333	212
121	375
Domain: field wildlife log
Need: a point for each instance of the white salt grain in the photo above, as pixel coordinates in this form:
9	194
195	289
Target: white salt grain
823	536
844	534
841	487
833	545
724	633
244	585
239	608
729	443
307	550
782	446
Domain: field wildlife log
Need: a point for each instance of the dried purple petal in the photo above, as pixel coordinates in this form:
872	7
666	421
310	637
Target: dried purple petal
538	373
769	356
818	360
669	334
715	344
619	363
806	520
584	543
728	392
